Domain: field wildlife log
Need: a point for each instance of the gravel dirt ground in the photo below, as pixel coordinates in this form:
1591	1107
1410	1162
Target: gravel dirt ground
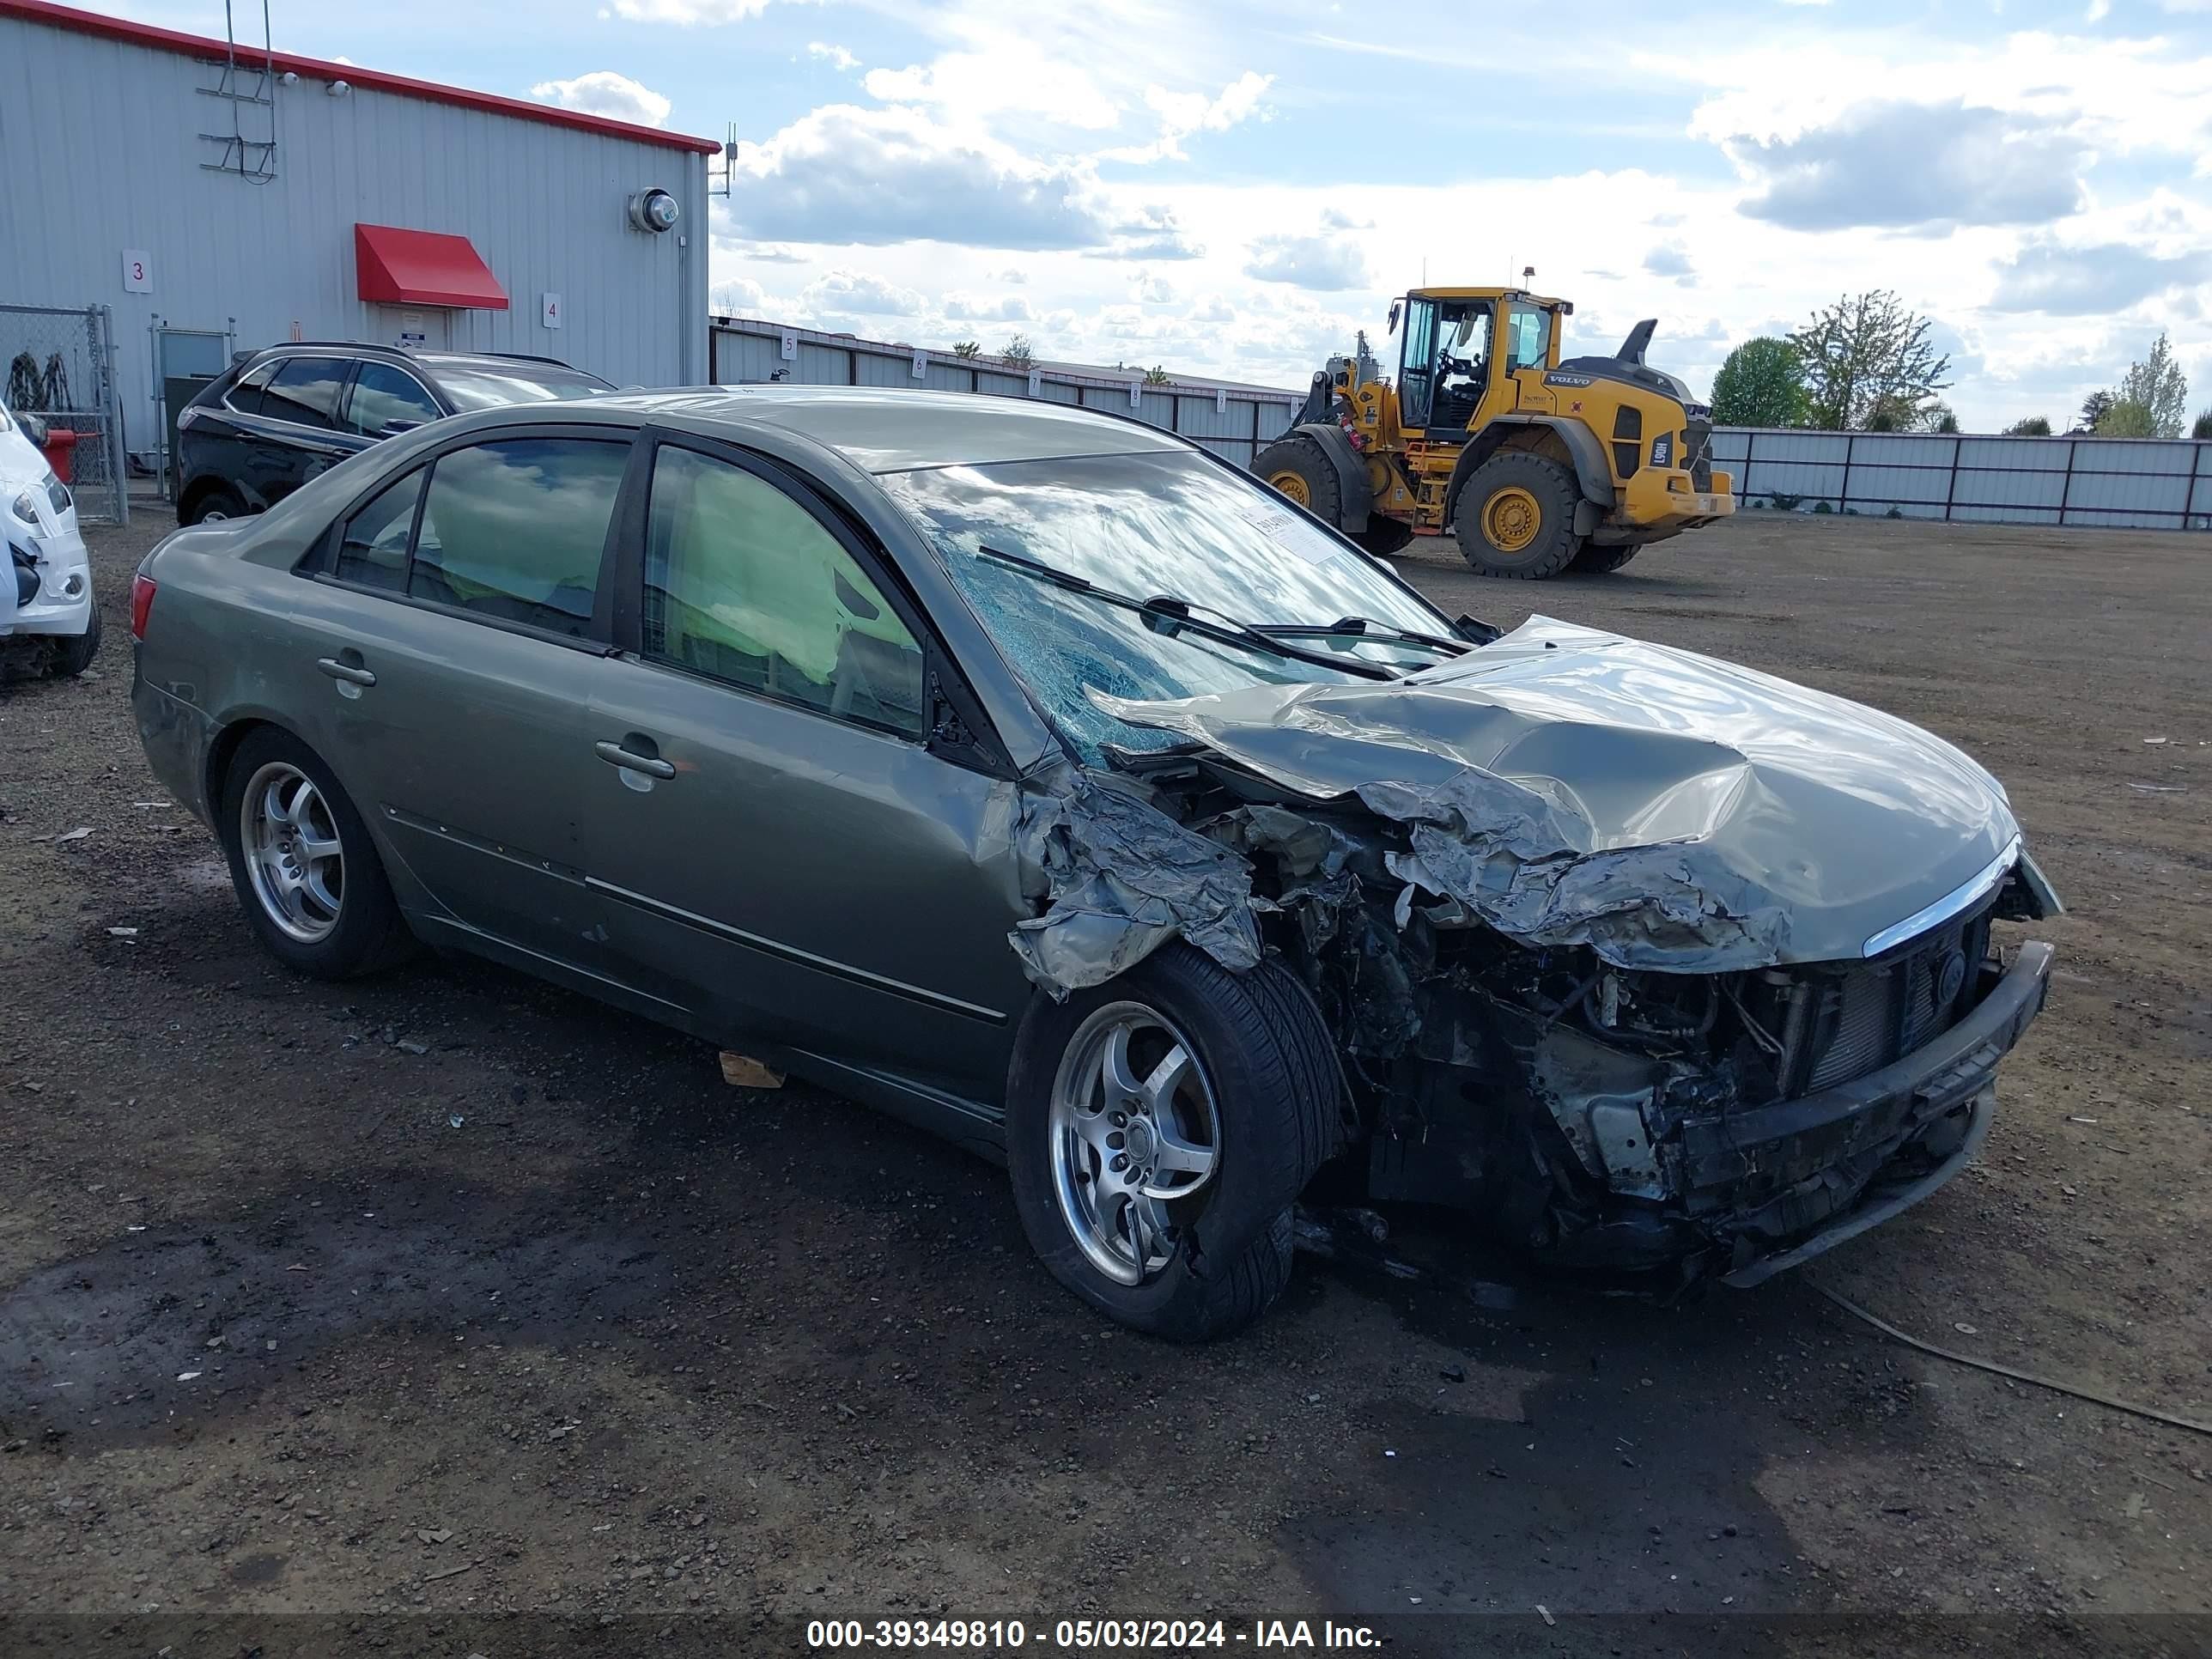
447	1313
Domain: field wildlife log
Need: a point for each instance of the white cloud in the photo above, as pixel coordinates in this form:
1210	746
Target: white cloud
858	295
1670	258
847	175
2098	12
602	92
1329	261
1009	308
2093	280
1927	167
1182	113
1017	78
836	57
689	12
738	296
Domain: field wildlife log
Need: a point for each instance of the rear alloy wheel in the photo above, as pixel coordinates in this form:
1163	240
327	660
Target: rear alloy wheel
1159	1128
1295	469
303	864
1516	517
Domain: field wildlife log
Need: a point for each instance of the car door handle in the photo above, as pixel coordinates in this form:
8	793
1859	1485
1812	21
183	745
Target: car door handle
614	754
345	670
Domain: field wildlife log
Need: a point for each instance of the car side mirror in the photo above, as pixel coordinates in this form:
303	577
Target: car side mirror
393	428
33	428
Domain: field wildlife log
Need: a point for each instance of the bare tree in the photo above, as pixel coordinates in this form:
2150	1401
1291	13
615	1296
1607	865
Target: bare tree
1865	355
1018	353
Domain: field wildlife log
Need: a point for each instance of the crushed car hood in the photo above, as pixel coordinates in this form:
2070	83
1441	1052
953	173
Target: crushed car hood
1570	786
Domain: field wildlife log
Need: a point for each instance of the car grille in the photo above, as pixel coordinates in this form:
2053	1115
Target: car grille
1870	1014
1698	453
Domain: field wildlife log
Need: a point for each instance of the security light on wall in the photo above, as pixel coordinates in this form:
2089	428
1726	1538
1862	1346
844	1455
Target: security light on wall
654	211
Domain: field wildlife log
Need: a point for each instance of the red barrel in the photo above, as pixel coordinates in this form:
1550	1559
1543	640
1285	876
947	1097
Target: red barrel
60	441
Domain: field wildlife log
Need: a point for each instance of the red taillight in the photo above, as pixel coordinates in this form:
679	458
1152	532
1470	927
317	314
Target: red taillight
141	604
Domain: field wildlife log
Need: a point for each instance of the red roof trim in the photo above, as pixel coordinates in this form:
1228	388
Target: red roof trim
200	46
423	268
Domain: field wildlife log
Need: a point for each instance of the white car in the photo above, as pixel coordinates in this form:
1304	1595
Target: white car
49	595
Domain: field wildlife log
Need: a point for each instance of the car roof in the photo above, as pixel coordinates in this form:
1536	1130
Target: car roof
889	430
487	362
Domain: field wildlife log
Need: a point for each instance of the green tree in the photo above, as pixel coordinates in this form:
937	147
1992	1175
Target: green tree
967	348
1158	376
1867	353
1761	383
2035	426
2157	386
1938	416
2126	418
2203	429
1018	353
2093	408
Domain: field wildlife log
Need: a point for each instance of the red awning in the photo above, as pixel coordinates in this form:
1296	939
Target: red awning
423	268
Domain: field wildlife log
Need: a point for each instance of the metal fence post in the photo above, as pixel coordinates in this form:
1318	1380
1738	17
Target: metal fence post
1951	490
119	471
2066	490
1851	447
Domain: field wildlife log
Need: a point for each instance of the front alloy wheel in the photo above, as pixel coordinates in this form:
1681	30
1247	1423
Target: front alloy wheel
1135	1135
1159	1128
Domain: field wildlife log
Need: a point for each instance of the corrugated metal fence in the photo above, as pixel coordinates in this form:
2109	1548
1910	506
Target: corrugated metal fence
2093	483
1233	421
2090	482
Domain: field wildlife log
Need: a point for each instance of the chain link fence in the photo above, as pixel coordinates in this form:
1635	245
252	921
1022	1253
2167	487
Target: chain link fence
60	367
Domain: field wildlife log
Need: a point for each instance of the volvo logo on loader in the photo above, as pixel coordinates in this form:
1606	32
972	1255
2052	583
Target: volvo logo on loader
1470	439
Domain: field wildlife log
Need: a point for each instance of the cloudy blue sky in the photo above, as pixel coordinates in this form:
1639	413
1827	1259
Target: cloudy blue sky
1233	188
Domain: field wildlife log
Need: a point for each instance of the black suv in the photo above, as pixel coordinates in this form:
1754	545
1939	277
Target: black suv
282	416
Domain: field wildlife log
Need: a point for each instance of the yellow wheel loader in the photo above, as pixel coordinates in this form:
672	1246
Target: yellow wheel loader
1534	464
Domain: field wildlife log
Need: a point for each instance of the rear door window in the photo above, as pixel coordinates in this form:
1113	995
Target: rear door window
383	395
306	391
246	396
373	551
741	582
514	530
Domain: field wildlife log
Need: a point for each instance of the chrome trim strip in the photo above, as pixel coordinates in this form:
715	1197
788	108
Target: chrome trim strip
1963	898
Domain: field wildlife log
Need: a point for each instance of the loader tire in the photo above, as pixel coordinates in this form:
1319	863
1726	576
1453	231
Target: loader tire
1596	561
1516	517
1295	469
1385	536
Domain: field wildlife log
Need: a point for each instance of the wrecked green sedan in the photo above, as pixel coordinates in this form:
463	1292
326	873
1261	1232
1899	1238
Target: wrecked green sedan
1038	777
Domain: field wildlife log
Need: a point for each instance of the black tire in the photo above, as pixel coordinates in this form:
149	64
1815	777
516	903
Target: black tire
1550	486
1278	1095
221	502
1384	536
1596	561
1299	458
72	656
369	933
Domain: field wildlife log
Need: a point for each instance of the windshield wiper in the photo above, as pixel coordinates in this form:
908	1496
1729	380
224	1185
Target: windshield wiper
1363	627
1175	613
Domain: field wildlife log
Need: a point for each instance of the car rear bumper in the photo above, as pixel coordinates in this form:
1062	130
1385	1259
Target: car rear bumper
176	736
1919	1122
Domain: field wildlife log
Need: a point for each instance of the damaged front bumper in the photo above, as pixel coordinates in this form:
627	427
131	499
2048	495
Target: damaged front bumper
1743	1193
1924	1117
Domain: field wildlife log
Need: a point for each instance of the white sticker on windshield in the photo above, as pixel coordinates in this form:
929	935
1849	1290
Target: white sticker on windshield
1281	526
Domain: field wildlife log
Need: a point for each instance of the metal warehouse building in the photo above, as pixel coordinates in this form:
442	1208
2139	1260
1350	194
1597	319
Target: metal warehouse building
217	196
